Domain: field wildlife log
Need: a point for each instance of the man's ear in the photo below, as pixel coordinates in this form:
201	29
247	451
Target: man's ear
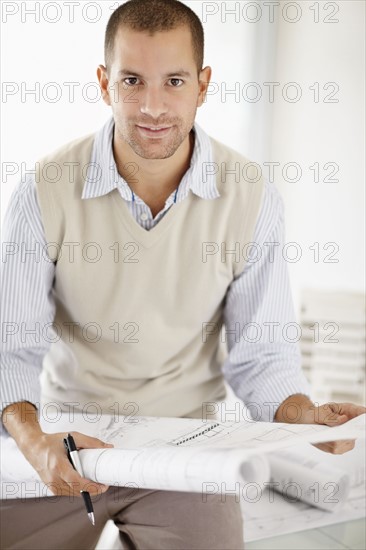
204	81
103	83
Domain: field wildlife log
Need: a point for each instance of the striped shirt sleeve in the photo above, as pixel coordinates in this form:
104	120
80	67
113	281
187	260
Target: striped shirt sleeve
263	365
27	303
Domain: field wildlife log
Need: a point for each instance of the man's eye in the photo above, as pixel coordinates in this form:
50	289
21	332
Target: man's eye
131	81
176	82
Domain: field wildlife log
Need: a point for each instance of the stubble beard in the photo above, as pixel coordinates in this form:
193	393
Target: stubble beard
162	149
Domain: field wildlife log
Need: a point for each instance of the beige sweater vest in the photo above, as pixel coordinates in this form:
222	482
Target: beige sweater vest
138	313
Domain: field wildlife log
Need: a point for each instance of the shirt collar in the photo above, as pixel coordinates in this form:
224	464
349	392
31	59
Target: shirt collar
102	175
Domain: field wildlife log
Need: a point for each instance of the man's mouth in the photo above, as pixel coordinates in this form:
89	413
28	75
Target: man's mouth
154	131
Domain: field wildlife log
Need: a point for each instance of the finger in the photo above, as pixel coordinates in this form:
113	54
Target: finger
59	488
79	483
335	420
341	447
336	447
83	441
329	415
69	489
351	410
86	485
325	447
344	447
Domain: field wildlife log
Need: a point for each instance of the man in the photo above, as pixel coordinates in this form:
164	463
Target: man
131	219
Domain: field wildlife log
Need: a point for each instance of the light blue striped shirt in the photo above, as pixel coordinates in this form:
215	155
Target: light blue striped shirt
263	365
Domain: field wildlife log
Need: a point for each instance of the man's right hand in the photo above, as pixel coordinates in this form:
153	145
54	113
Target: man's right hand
46	452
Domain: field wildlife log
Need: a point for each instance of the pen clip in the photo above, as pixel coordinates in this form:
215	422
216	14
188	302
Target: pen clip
67	449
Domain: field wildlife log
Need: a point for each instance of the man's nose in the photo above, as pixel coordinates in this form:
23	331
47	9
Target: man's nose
152	102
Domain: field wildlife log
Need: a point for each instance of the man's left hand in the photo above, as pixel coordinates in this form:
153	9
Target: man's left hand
300	410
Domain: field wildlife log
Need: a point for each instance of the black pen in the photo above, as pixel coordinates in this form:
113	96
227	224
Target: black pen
73	456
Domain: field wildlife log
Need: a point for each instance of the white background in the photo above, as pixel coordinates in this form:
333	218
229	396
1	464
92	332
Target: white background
240	52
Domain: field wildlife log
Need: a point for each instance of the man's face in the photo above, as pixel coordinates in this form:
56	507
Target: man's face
154	90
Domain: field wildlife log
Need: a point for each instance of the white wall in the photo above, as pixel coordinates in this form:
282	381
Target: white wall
307	132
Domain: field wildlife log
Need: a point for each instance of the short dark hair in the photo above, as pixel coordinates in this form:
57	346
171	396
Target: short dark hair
154	16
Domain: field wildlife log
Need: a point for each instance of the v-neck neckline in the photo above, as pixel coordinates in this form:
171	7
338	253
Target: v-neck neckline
143	236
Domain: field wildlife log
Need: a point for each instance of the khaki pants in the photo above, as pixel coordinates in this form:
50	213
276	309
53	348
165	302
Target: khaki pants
146	519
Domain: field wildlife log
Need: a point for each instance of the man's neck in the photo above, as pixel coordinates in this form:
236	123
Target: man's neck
155	180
